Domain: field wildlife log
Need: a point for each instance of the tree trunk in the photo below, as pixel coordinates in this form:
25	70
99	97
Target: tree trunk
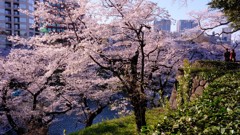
93	114
90	119
139	107
137	97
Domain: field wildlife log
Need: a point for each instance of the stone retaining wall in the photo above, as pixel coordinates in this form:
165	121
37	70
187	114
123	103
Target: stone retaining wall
197	87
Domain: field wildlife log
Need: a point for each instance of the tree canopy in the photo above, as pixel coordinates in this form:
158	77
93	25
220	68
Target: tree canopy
231	8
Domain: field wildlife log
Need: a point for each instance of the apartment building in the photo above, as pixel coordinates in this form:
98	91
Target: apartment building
12	22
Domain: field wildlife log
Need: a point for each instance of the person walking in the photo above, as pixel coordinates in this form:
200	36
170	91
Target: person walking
233	56
227	55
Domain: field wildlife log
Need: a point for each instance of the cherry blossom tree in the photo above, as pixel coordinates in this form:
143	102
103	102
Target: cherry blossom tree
37	85
77	90
30	88
133	54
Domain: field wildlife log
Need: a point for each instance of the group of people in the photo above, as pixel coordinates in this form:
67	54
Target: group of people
230	56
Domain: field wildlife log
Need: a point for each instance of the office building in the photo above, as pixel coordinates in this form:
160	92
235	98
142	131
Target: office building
163	24
12	22
185	24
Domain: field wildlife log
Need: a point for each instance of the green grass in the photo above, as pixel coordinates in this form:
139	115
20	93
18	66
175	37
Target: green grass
122	126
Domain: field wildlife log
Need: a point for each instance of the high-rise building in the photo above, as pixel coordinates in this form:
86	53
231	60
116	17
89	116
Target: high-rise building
185	24
13	22
163	24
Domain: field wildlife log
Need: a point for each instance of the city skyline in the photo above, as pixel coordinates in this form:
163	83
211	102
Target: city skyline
178	11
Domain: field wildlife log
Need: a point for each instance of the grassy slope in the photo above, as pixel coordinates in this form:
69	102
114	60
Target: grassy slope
122	126
228	79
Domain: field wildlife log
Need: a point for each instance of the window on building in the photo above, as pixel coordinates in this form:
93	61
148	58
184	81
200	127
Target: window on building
8	11
15	5
16	12
16	26
8	25
8	18
7	5
16	19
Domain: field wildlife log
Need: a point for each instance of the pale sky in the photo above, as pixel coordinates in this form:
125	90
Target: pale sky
179	11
